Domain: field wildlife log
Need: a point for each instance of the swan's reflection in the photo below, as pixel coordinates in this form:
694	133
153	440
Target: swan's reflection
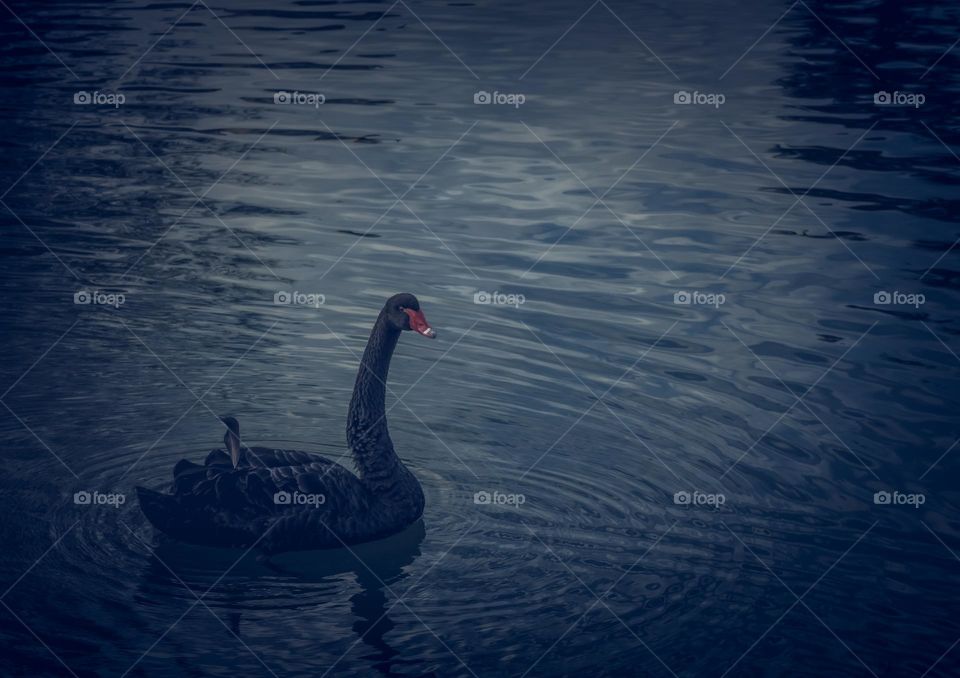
376	566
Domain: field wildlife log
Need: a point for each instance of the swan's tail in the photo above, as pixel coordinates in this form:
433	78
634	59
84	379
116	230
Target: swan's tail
160	509
191	524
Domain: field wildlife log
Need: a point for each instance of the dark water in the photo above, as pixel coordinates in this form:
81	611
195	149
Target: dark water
598	199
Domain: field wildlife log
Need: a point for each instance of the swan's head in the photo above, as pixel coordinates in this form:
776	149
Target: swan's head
403	312
231	439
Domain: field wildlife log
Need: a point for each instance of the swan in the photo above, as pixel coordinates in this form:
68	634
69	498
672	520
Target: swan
287	500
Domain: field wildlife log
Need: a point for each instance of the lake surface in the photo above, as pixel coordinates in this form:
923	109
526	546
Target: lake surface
716	331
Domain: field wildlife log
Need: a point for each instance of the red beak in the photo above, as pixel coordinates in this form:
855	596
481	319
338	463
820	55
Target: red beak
419	324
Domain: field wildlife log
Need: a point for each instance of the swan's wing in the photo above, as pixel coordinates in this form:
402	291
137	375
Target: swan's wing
210	508
254	487
220	505
274	458
265	457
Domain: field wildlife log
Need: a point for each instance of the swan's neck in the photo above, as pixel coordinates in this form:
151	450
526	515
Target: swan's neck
367	434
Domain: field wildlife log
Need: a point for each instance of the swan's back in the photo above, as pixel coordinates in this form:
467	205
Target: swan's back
279	500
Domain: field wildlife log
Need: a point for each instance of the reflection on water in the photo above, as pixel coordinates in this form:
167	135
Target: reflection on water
688	470
299	584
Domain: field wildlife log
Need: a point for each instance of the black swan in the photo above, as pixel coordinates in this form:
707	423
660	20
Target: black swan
286	500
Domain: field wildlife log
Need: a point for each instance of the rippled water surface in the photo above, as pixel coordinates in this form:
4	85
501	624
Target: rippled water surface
697	479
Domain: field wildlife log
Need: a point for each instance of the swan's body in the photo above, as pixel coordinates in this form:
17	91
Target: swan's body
287	500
